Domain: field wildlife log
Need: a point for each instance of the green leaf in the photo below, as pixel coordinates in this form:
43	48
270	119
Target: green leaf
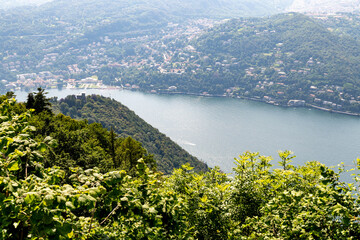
152	210
30	197
82	200
204	199
70	205
42	147
13	166
32	128
49	199
71	234
61	199
3	143
124	199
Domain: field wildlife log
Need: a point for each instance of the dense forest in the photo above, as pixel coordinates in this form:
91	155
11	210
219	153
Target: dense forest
75	143
93	188
113	115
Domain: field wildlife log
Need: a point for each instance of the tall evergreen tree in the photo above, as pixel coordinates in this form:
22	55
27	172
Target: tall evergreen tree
38	101
30	101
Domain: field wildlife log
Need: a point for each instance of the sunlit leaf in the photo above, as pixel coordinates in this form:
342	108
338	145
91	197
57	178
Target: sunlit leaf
13	166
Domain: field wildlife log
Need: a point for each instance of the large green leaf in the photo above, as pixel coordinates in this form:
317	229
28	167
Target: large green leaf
13	166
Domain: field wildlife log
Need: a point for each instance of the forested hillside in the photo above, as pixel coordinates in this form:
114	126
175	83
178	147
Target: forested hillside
113	115
27	34
345	25
285	42
168	47
70	143
276	59
39	200
107	17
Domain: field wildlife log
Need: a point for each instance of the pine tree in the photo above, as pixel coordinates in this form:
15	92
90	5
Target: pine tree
30	101
39	102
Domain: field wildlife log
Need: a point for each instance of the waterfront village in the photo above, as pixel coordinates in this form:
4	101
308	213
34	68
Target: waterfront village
165	56
48	80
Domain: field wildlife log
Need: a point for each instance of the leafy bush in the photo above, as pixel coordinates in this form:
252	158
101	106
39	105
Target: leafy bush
258	202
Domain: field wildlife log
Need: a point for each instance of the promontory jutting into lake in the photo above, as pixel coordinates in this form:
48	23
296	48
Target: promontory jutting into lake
218	129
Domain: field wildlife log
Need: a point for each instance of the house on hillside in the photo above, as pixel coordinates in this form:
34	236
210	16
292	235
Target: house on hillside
296	103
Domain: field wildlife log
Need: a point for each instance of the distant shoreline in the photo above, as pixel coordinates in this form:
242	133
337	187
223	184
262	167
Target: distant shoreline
307	105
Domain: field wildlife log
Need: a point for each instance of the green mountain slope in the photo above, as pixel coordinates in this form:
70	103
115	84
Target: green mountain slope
276	59
287	38
343	24
88	14
112	114
29	33
292	50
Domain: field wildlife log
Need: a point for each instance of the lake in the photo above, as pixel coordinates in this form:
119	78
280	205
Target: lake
218	129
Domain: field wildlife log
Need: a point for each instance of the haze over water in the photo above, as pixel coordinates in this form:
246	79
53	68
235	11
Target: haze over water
218	129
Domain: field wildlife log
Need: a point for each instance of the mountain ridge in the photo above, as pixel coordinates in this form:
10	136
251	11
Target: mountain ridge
321	6
114	115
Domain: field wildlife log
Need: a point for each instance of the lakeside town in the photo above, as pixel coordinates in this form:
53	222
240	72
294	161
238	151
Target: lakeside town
165	54
47	80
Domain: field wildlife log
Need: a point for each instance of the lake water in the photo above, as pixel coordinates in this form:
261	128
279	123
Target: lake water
218	129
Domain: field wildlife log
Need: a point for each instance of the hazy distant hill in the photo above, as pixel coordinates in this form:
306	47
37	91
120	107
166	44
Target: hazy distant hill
205	8
324	6
69	18
5	4
93	16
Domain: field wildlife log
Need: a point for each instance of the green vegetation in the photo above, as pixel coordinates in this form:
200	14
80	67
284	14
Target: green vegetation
113	115
260	201
276	59
78	143
32	32
344	24
164	49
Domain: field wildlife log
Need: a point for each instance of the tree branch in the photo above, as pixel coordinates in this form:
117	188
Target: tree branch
116	208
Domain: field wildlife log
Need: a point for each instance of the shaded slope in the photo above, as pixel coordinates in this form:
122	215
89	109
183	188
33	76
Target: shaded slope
112	114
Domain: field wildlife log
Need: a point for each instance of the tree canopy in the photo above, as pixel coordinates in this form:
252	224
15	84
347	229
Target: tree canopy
124	122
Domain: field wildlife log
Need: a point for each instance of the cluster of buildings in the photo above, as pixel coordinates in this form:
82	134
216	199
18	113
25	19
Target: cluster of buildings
160	52
27	81
163	53
49	80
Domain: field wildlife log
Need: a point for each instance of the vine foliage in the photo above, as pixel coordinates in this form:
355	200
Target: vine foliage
259	201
